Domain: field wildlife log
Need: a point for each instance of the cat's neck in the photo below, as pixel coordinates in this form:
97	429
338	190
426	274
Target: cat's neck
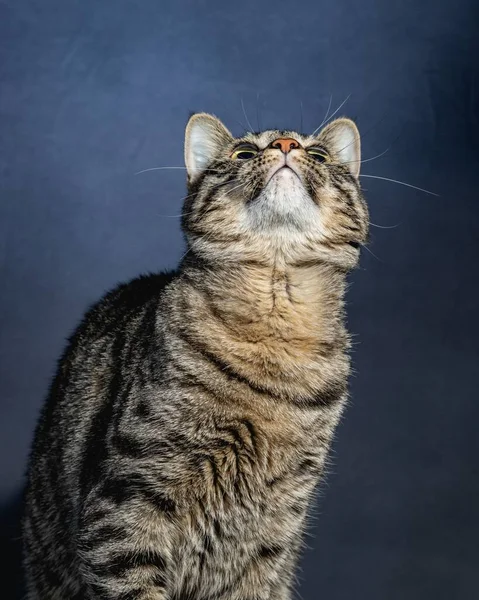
275	324
262	300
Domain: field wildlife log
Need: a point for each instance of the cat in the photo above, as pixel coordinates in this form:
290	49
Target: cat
188	424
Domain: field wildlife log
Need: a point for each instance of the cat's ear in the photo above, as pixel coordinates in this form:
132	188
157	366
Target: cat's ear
342	139
205	137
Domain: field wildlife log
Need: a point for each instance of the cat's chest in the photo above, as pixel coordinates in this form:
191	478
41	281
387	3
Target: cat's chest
250	500
250	473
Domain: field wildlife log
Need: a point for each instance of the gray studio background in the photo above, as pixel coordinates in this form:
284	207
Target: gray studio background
93	91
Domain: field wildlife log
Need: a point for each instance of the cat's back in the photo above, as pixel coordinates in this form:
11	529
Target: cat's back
75	417
90	365
112	312
106	328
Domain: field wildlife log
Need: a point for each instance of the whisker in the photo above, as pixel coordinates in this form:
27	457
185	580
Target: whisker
375	157
372	254
159	169
241	124
258	118
217	185
182	257
165	168
234	188
246	116
334	113
326	115
385	226
201	237
366	159
301	109
337	110
400	183
367	131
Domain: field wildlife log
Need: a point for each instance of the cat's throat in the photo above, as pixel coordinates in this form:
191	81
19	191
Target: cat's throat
280	328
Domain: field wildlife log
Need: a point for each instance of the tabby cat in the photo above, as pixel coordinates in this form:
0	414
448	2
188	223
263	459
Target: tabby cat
189	421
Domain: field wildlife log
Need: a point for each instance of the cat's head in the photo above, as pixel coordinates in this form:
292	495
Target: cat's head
275	196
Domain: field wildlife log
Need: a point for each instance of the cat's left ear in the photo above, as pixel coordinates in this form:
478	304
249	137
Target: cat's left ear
342	139
205	137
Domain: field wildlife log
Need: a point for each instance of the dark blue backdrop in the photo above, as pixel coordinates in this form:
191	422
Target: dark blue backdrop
93	91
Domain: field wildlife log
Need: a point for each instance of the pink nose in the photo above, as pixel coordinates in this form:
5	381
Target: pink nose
285	144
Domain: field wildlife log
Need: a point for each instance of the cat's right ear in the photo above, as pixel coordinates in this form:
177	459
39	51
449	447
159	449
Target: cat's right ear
205	137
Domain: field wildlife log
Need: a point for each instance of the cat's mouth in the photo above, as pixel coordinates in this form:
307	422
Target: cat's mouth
283	169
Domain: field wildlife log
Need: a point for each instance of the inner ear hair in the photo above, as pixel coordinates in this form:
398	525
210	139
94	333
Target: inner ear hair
205	138
343	140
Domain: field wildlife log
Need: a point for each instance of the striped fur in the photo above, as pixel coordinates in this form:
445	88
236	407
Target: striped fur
189	421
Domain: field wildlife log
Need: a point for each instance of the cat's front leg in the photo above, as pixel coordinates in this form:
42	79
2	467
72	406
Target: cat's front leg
125	544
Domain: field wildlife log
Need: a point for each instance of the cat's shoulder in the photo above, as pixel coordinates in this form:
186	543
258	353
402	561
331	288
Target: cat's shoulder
135	293
122	302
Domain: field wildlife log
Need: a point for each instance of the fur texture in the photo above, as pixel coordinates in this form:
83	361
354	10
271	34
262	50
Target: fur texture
189	421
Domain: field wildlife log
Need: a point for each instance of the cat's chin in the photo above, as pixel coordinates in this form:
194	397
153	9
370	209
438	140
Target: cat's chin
285	203
284	181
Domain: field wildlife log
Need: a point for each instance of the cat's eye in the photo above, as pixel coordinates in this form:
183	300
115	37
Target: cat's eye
318	154
244	152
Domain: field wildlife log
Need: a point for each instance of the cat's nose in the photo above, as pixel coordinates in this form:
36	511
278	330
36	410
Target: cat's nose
285	144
